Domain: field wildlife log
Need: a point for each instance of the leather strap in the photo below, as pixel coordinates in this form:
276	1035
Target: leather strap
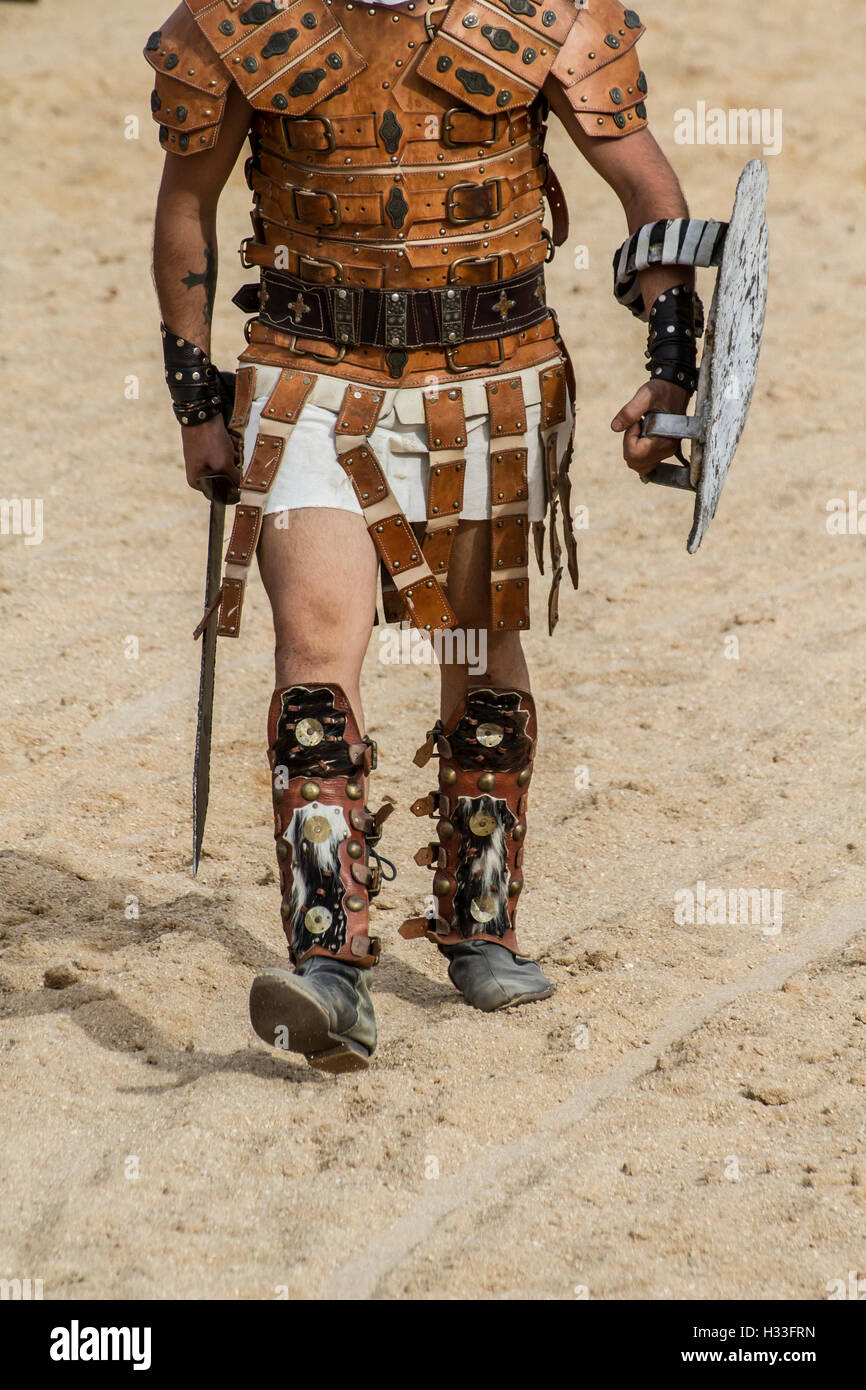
446	442
279	417
352	316
509	496
390	532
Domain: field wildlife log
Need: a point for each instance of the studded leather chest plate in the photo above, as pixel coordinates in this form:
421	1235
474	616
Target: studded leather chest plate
394	180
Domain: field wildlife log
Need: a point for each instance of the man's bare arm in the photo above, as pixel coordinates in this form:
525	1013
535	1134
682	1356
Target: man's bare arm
185	265
649	190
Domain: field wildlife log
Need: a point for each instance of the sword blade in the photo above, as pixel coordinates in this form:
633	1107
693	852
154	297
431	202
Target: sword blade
204	725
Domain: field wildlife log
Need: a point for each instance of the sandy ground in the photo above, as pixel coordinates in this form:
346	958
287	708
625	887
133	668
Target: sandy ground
685	1117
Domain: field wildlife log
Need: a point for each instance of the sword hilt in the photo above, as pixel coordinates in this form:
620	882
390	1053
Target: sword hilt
218	487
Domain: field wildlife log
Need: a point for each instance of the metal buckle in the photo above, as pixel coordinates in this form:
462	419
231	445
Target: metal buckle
292	123
334	206
318	356
475	260
459	144
474	366
428	26
492	212
242	252
551	249
321	260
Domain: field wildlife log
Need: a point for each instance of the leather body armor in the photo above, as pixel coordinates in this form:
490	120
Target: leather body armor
400	186
398	149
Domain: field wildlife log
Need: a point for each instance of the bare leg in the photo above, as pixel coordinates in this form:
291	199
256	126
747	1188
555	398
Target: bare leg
319	571
469	595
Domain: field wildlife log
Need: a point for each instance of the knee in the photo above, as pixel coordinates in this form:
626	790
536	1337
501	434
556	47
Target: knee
309	649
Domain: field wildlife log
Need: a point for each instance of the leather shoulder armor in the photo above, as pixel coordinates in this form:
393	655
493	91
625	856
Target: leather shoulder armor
285	57
599	71
495	55
189	95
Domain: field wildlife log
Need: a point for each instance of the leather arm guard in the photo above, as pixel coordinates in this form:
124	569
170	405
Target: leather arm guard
198	391
680	241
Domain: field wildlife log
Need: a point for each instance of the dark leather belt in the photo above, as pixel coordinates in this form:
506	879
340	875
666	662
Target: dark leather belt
397	320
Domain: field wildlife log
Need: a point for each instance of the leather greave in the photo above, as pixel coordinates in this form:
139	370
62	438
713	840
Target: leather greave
486	752
324	832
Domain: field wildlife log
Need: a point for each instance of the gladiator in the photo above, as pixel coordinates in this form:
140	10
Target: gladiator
398	433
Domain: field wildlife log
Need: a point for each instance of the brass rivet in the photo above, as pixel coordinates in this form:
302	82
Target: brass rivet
354	849
317	920
446	829
317	829
519	833
448	776
523	777
354	790
486	782
441	887
310	791
354	902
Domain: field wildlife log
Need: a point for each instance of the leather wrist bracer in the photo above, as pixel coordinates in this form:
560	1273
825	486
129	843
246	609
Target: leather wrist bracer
676	322
198	391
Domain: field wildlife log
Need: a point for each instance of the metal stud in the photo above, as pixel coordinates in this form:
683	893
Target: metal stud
354	791
310	791
448	776
490	735
317	829
355	902
317	920
441	887
486	782
309	732
484	909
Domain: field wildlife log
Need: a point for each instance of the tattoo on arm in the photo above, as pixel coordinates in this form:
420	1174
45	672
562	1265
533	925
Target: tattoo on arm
207	278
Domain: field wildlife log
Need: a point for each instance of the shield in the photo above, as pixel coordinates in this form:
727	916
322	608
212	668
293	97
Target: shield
729	365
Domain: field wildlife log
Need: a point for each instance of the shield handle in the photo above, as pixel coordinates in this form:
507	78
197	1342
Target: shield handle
661	426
